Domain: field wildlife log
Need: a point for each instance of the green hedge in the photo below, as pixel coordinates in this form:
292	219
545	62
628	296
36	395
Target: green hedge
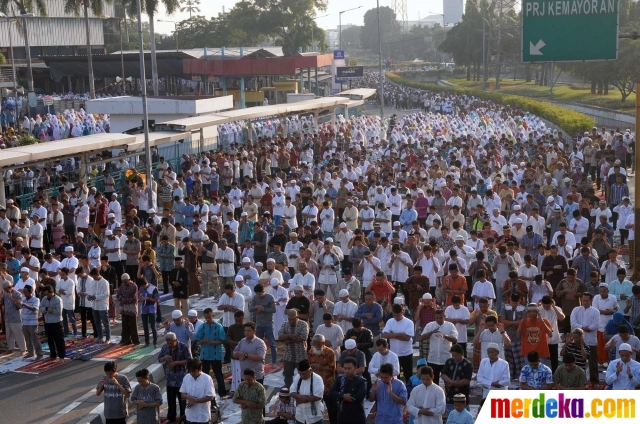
566	119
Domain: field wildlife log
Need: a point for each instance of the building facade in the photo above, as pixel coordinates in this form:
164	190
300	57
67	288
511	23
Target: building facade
59	33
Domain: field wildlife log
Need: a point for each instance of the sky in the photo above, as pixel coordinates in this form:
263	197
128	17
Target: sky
415	9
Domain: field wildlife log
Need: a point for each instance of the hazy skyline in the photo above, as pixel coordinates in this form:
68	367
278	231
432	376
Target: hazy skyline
210	8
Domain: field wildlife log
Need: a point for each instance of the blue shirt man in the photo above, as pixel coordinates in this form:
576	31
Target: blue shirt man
391	396
211	337
407	216
370	312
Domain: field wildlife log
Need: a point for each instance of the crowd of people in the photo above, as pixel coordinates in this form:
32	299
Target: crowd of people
337	249
50	126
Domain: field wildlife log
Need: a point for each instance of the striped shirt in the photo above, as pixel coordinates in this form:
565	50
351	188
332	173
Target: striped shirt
617	193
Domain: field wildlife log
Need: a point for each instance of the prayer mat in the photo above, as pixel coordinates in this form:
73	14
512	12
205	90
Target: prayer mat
10	356
114	352
72	343
139	353
76	352
45	365
270	368
14	364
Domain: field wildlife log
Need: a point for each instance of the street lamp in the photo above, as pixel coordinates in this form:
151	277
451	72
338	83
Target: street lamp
340	22
124	84
313	19
10	21
27	49
145	112
175	32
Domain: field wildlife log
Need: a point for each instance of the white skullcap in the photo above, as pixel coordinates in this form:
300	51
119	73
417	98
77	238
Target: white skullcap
176	314
275	282
350	344
343	293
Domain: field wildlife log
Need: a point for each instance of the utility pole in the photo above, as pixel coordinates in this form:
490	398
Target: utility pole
484	54
380	75
145	112
498	47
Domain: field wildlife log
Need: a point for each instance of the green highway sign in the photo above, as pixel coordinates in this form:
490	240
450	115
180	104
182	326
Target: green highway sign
569	30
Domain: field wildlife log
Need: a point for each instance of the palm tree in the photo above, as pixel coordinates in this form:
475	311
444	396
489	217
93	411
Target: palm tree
191	6
8	7
150	7
97	7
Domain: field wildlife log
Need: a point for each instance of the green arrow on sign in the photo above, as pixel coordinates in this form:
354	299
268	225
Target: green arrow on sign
569	30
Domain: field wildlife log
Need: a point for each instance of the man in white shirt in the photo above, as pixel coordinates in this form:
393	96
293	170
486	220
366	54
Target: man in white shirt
441	335
587	318
66	288
383	356
400	330
458	314
493	373
427	402
225	259
344	311
308	386
98	294
367	216
623	373
197	389
579	226
36	235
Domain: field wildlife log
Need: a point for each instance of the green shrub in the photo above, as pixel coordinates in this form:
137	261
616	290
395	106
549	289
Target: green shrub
27	139
567	119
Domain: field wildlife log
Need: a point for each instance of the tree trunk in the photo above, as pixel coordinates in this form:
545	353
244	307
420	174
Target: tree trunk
594	85
542	75
527	73
92	87
468	72
154	62
606	87
27	49
600	87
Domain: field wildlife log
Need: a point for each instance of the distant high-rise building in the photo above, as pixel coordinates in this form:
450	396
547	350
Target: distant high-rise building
452	10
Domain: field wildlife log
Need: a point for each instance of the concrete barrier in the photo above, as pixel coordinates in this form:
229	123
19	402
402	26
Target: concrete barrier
604	117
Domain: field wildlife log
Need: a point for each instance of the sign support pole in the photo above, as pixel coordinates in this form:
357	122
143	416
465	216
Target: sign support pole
636	242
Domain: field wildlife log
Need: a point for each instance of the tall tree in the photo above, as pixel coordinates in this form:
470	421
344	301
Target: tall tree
389	26
290	21
150	8
22	7
97	8
191	6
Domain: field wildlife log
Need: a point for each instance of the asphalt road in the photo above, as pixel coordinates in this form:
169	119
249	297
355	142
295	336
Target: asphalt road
26	398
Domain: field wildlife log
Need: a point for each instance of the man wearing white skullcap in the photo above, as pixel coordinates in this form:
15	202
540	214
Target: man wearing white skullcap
623	373
493	373
344	311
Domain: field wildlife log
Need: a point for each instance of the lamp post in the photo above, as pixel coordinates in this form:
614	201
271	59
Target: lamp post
380	75
145	112
27	49
13	62
313	19
340	22
175	32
